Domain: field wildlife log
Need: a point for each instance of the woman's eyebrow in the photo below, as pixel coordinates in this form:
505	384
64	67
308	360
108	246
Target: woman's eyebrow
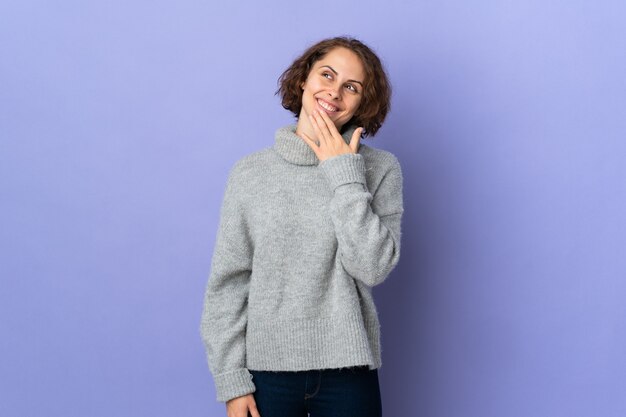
336	73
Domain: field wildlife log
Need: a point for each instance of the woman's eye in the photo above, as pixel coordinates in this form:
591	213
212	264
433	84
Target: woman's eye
325	74
351	88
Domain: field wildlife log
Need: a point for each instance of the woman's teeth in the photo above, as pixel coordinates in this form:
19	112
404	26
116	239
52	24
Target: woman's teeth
327	106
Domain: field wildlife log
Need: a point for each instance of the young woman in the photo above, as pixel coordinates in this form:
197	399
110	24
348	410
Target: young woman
308	226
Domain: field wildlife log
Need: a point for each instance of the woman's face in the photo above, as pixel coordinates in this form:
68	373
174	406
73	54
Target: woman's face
335	86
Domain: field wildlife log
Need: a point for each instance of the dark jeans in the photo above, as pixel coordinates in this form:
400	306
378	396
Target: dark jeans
347	392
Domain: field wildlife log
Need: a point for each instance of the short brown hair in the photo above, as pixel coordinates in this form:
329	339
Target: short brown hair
376	100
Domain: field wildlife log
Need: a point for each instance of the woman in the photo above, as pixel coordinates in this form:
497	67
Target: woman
308	227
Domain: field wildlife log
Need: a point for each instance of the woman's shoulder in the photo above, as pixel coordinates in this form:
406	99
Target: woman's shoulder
245	171
378	159
251	161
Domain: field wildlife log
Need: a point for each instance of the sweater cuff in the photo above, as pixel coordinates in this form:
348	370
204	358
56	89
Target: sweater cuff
232	384
344	169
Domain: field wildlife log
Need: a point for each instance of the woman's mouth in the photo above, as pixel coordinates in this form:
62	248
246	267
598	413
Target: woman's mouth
329	108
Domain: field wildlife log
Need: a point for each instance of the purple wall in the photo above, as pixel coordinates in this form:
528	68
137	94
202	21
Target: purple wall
119	121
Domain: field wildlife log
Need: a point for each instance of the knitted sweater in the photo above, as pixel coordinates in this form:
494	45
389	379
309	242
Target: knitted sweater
299	247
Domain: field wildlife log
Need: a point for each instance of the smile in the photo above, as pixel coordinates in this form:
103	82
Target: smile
327	106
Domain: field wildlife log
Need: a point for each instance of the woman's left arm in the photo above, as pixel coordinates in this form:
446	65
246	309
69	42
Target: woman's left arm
368	226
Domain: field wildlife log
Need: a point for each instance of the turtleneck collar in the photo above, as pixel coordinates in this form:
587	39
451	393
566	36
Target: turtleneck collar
295	150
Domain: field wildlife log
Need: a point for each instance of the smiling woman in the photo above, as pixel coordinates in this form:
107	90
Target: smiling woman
336	70
332	91
307	227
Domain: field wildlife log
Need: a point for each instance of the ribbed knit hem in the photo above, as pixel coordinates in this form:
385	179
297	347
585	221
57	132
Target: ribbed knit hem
344	169
316	343
232	384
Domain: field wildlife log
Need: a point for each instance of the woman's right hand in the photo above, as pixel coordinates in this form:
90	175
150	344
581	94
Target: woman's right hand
238	407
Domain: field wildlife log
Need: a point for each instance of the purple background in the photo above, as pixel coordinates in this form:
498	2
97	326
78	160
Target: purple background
119	121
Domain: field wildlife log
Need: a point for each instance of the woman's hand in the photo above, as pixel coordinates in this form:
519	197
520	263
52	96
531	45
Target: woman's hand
331	143
238	407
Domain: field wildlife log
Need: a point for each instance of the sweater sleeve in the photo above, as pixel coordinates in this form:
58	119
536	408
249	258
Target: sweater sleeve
224	316
368	227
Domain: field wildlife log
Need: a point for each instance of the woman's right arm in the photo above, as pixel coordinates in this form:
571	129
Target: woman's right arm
224	315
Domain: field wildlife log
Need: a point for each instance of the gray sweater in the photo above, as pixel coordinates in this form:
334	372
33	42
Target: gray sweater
299	247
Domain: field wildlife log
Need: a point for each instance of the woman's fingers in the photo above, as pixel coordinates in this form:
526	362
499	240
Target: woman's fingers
328	128
356	137
329	125
331	142
254	412
323	122
238	407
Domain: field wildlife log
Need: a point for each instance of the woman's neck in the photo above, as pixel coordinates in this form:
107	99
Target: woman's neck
304	126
